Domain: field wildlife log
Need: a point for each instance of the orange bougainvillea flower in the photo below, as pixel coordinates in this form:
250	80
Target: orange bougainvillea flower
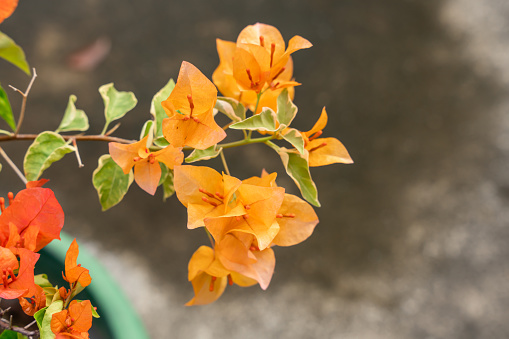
241	207
257	63
14	285
73	272
296	218
206	193
74	322
36	301
261	57
7	7
36	215
147	171
209	277
324	151
189	108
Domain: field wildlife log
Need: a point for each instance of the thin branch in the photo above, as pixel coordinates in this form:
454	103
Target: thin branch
80	164
68	137
7	325
27	326
113	129
13	166
24	102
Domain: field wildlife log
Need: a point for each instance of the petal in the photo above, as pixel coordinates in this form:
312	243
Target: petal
191	82
333	152
189	179
319	125
200	261
271	35
250	70
124	154
297	229
73	272
147	175
170	156
81	314
202	293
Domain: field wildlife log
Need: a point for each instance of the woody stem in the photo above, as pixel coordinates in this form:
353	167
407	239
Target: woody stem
68	137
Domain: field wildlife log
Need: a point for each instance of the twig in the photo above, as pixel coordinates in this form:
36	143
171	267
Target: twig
113	129
13	166
7	325
68	137
27	326
223	159
80	164
24	102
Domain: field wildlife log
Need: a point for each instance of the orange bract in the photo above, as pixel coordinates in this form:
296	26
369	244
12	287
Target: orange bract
257	63
73	322
7	7
147	171
74	272
189	108
324	151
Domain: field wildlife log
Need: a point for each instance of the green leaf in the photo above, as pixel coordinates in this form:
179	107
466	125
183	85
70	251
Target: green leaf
286	110
157	110
294	137
47	148
74	119
147	126
116	104
6	110
42	280
110	182
161	142
231	108
265	121
9	334
45	328
297	167
39	316
205	154
13	53
166	181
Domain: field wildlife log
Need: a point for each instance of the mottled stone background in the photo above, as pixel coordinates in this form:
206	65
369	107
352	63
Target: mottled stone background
413	237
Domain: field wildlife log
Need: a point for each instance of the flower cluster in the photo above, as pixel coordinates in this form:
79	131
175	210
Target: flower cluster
31	221
243	218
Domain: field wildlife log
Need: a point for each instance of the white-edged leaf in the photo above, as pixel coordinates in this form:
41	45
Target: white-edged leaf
265	121
297	167
286	109
205	154
110	182
157	110
74	119
116	104
294	137
47	148
231	108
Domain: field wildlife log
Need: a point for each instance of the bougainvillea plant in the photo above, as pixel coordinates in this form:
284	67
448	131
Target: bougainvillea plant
243	218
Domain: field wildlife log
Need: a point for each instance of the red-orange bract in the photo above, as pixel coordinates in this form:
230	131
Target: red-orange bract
74	322
7	7
35	212
189	108
73	272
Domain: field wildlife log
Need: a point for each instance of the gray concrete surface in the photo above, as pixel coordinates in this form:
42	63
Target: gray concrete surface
413	238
